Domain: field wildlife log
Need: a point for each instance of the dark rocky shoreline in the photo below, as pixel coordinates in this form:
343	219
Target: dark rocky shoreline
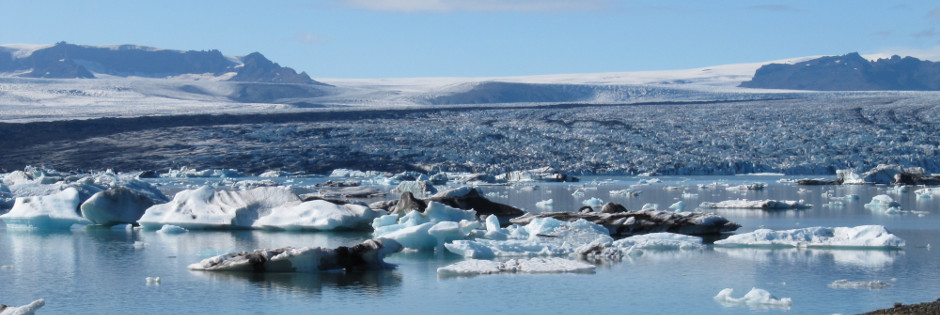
912	309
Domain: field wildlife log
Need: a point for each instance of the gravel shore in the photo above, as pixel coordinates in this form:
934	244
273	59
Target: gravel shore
922	308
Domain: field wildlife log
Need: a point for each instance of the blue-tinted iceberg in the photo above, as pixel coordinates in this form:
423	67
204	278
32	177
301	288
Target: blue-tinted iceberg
754	299
541	237
438	224
58	211
27	309
870	236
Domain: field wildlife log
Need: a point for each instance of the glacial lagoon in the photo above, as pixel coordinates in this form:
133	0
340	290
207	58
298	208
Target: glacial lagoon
104	270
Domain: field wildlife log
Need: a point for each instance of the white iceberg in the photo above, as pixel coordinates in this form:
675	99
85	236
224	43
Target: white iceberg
57	211
419	188
593	202
545	204
474	267
638	245
318	215
884	204
755	299
27	309
756	204
206	208
541	237
869	236
871	285
432	228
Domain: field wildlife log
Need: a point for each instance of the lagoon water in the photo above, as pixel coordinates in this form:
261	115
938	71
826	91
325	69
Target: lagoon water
100	270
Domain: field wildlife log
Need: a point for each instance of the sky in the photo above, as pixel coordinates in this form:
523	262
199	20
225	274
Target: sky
485	38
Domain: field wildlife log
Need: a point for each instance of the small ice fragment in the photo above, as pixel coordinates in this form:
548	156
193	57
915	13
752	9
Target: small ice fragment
593	202
153	280
755	299
871	285
545	204
172	229
140	245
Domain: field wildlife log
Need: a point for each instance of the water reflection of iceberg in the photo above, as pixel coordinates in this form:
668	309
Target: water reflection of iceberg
872	258
365	283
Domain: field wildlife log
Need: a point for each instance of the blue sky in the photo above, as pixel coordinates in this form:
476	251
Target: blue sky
416	38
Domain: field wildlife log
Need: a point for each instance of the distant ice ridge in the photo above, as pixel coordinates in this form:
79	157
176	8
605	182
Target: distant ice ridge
552	237
754	299
756	204
474	267
871	285
27	309
259	208
869	236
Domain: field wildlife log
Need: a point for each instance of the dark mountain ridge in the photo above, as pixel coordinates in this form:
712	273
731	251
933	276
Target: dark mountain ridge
64	60
850	72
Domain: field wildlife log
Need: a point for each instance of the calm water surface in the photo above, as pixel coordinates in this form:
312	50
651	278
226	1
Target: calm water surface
97	270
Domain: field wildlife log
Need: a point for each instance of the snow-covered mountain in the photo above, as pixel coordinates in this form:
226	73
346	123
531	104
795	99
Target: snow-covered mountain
66	81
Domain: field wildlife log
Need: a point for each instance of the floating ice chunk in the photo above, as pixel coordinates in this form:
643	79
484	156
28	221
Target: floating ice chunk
172	229
882	202
541	237
927	193
474	267
319	215
649	206
544	174
140	245
593	202
367	255
686	195
28	309
636	245
354	173
874	236
116	206
626	193
419	188
578	193
206	208
678	206
153	280
755	299
756	204
545	204
414	230
746	187
51	212
871	285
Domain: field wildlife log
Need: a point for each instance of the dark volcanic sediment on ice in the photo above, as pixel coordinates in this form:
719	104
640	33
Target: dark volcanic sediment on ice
795	136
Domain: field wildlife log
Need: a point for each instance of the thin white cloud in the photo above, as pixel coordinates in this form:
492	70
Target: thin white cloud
476	5
309	38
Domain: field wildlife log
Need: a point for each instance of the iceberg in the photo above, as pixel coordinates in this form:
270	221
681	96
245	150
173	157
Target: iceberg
466	198
884	204
116	206
170	229
644	221
364	256
432	228
474	267
544	174
206	208
545	204
755	299
418	188
864	236
541	237
756	204
318	215
27	309
57	211
638	245
871	285
258	208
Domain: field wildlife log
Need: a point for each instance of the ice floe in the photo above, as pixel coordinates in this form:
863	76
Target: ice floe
472	267
644	221
367	255
433	227
754	299
259	208
540	237
27	309
756	204
638	245
869	236
871	285
116	206
57	211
